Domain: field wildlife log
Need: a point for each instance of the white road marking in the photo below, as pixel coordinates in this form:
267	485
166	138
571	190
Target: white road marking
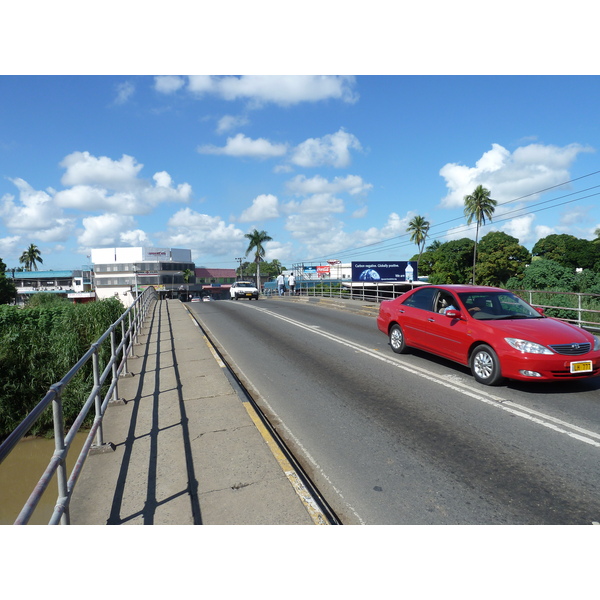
583	435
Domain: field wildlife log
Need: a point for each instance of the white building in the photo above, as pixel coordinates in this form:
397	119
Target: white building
123	272
75	285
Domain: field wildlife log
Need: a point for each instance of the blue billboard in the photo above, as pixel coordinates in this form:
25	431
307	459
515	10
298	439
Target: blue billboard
384	272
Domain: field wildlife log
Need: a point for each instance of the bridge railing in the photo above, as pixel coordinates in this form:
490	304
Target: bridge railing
98	399
581	309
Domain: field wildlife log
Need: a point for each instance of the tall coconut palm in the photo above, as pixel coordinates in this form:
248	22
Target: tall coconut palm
418	228
257	239
478	207
31	257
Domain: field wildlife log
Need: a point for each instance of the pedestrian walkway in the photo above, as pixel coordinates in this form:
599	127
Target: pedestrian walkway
187	448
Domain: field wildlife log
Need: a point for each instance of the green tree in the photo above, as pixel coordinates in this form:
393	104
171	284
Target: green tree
500	258
543	274
451	262
7	289
256	241
478	207
270	269
187	273
568	251
31	257
418	228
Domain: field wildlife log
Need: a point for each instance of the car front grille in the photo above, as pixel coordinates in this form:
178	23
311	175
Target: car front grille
571	349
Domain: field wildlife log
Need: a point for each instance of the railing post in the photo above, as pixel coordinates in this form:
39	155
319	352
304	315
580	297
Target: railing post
98	398
125	348
59	447
130	329
113	355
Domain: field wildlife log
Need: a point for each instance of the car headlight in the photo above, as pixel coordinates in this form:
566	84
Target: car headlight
596	342
528	347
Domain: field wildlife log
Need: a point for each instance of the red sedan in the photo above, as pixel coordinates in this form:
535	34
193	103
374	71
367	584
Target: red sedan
490	330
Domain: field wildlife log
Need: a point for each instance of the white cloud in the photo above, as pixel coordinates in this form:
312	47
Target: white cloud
84	169
34	214
104	230
135	237
93	179
10	246
527	170
125	91
262	89
265	206
331	150
240	146
168	84
205	234
521	228
163	179
229	122
317	204
352	184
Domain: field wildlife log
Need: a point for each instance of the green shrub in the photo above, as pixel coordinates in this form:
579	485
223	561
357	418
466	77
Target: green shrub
39	345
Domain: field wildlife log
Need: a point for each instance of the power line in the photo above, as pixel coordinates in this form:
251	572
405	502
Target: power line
379	246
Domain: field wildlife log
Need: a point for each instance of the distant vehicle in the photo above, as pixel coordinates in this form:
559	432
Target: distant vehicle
195	299
207	299
243	289
492	331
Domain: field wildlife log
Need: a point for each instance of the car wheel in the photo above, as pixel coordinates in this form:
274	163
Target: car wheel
237	297
485	365
397	339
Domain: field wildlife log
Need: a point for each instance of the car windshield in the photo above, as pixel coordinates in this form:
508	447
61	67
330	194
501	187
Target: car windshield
497	305
245	285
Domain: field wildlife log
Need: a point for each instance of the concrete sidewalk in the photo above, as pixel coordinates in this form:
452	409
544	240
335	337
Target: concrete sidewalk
187	448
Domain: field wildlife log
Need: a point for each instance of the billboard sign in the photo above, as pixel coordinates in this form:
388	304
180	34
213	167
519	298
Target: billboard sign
384	272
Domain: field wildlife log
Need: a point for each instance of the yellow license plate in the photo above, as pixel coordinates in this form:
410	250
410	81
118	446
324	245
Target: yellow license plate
584	366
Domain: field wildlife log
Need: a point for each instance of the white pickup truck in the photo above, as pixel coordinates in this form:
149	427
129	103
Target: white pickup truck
243	289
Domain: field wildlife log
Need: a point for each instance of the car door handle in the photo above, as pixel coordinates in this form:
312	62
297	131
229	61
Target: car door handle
431	320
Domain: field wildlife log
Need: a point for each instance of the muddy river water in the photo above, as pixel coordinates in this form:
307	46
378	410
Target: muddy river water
20	472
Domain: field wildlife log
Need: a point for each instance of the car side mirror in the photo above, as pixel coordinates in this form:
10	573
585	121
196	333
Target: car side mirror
452	313
539	309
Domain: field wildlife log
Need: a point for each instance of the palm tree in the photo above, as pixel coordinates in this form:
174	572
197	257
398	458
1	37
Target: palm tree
31	257
478	206
187	273
257	239
418	228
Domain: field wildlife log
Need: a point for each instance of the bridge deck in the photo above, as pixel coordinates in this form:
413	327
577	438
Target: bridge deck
186	449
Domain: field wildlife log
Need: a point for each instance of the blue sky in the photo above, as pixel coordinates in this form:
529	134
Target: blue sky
332	167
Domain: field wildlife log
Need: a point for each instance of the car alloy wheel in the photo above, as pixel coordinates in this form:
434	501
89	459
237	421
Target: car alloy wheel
485	365
397	339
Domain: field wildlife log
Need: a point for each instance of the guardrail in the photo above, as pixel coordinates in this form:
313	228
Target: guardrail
129	322
581	309
565	304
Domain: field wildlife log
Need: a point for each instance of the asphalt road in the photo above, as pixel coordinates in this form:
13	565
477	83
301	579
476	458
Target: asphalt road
411	439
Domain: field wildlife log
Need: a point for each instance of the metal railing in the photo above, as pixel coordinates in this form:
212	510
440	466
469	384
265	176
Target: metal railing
581	309
129	323
572	303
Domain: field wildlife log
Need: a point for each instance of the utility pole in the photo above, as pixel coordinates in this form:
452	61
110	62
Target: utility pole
240	273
